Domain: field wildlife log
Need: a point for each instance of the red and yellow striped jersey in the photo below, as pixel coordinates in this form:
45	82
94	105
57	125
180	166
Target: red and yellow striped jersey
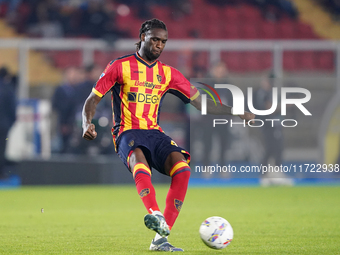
137	90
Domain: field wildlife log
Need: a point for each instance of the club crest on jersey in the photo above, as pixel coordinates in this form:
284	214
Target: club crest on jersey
144	192
131	143
178	204
159	78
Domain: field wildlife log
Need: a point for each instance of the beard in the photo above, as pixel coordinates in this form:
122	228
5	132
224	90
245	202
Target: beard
151	55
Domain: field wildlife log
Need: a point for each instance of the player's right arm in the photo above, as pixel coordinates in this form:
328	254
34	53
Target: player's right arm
108	78
89	110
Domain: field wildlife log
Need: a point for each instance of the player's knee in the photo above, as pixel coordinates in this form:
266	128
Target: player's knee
182	169
185	174
140	168
136	157
182	178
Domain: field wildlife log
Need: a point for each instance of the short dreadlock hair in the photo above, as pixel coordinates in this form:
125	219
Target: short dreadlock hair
148	25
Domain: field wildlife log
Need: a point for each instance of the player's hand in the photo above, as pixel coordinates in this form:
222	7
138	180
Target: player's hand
89	132
247	116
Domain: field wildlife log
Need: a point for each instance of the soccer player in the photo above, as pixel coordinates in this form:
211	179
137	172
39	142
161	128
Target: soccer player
138	83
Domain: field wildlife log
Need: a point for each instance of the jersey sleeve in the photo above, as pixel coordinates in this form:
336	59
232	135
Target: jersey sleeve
110	76
181	87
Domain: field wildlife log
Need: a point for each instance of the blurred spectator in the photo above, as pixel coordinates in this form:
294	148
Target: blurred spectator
103	117
55	18
64	102
7	113
219	71
218	74
289	8
222	3
142	7
273	9
180	8
333	6
198	65
97	19
92	73
45	20
94	19
198	71
12	6
272	136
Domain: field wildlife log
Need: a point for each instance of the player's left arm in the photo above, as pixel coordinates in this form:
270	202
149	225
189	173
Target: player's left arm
181	87
219	109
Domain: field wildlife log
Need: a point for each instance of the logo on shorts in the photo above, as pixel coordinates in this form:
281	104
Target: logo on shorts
173	143
159	78
144	192
131	143
178	204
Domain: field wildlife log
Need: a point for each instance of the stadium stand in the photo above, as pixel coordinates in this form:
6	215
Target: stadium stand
40	70
240	20
321	20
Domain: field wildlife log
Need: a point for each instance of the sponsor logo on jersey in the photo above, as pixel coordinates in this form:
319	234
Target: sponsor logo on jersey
132	96
147	84
142	98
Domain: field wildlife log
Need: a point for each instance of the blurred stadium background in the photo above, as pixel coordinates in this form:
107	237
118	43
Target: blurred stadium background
46	45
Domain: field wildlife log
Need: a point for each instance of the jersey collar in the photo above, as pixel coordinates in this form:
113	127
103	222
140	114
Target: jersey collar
139	58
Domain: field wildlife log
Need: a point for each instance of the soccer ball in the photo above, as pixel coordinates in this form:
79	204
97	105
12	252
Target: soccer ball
216	232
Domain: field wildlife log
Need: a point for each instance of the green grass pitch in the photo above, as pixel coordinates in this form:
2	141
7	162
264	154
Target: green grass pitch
109	220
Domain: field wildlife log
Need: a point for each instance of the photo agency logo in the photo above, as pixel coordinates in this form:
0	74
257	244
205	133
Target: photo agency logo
239	103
